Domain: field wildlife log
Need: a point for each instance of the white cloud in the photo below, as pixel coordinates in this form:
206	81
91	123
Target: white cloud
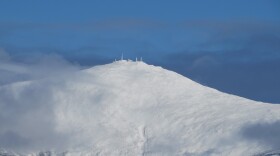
32	68
26	113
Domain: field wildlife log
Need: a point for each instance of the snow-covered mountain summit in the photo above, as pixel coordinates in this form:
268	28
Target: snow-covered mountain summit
131	108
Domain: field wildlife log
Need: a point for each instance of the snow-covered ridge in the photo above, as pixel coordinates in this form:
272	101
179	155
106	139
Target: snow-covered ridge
131	108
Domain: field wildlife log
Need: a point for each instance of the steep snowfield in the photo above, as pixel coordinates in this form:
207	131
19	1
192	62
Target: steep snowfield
131	108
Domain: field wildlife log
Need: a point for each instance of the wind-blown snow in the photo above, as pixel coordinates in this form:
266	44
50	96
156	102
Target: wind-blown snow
131	108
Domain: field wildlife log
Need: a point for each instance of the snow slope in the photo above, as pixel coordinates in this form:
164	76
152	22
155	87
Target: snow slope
131	108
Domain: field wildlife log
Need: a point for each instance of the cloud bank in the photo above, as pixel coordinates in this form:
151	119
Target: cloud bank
26	111
33	67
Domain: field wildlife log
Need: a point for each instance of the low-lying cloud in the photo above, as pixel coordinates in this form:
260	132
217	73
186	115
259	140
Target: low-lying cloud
26	113
37	67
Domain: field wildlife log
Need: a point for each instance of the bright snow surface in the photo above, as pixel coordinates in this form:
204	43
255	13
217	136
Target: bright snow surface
131	108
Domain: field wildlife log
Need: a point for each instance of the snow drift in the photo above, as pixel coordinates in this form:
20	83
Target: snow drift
131	108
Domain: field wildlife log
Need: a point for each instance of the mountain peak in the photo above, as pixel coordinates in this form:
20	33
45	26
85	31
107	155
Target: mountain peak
132	108
129	64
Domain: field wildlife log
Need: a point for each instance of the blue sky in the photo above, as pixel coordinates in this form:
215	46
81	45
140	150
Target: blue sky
233	46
